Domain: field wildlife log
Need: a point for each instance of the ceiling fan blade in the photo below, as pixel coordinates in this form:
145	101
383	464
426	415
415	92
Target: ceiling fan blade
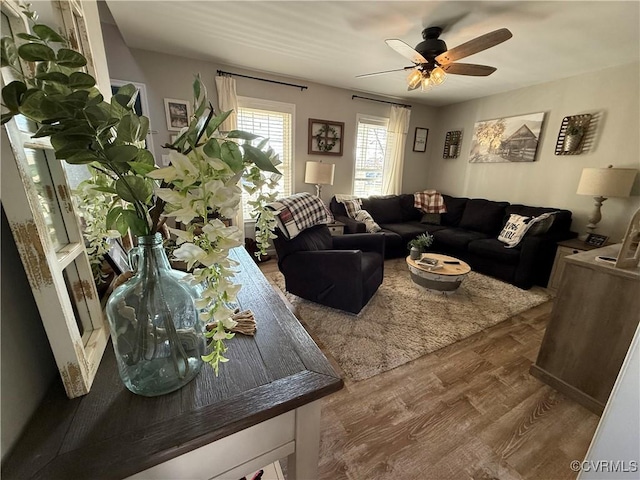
405	50
468	69
386	71
476	45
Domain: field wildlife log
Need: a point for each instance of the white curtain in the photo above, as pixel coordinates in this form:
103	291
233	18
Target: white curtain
228	100
394	151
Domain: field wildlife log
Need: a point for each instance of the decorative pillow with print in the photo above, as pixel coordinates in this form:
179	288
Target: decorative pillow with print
514	230
352	207
366	218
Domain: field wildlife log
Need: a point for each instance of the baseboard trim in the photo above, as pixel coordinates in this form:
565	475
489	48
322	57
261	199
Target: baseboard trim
569	390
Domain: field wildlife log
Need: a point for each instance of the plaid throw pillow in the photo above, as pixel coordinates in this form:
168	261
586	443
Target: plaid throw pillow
352	207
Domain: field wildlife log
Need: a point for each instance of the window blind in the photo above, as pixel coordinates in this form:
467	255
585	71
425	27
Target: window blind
275	123
370	150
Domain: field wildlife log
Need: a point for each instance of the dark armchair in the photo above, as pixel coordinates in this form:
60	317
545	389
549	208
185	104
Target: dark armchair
342	272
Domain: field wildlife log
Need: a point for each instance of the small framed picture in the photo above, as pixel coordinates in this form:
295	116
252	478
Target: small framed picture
178	113
420	139
596	240
325	137
117	257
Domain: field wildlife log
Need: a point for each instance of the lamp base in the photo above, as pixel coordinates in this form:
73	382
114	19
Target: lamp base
596	215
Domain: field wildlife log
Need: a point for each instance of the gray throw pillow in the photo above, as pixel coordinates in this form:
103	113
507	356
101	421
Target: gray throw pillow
541	224
366	218
431	218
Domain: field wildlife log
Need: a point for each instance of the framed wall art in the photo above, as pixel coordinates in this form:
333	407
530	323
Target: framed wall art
509	139
117	257
573	134
452	143
141	107
325	137
420	139
178	113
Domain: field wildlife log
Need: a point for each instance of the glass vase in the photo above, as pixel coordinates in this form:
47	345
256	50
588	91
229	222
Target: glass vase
156	333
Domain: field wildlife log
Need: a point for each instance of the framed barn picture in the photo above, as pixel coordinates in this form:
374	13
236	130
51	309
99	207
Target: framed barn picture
509	139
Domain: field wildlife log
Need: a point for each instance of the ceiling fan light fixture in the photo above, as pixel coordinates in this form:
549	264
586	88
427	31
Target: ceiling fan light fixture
426	82
414	78
437	76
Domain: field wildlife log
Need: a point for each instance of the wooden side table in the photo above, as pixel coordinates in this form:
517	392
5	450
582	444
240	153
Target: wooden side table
336	228
565	248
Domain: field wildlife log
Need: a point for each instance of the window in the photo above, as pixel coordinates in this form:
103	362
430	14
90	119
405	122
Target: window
272	120
47	234
371	141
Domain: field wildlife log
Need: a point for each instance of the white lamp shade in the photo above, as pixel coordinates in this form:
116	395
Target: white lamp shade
319	173
606	182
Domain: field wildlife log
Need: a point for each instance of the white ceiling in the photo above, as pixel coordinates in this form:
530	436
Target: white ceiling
332	42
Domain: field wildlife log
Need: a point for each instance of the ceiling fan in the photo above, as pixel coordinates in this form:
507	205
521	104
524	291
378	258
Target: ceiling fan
432	60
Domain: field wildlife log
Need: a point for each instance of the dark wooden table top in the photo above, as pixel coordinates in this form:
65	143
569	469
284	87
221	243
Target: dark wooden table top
112	433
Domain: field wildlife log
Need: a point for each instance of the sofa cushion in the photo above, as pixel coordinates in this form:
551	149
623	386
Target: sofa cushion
385	209
456	238
495	250
337	208
455	208
407	230
483	216
431	218
409	212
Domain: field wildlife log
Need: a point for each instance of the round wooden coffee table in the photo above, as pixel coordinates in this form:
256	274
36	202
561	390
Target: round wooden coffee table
444	279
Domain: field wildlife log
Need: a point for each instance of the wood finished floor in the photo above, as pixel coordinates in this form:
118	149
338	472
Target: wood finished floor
468	411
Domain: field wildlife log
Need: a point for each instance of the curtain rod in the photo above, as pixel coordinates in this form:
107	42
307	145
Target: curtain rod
301	87
381	101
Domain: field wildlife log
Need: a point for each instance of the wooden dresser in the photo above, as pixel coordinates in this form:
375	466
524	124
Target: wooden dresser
593	320
264	406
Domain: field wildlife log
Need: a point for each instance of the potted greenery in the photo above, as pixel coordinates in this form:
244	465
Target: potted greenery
573	137
201	184
420	245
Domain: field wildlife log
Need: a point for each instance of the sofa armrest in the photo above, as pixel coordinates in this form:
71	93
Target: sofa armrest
351	225
367	242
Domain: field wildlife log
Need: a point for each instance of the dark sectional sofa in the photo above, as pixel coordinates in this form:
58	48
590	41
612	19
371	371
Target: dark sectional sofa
468	231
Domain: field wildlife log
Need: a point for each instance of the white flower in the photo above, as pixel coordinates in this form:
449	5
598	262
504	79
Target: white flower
220	335
169	195
229	323
183	235
190	253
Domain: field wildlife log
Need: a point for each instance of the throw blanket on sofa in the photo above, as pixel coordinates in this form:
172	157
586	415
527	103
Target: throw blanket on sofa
298	212
429	201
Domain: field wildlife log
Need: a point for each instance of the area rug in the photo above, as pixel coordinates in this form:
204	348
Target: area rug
404	321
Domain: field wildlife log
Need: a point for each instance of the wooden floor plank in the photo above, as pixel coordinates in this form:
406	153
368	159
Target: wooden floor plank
468	411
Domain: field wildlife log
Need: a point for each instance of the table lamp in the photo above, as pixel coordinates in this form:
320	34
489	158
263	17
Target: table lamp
319	173
602	183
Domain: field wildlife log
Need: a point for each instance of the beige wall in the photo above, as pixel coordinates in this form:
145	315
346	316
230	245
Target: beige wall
551	180
171	77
